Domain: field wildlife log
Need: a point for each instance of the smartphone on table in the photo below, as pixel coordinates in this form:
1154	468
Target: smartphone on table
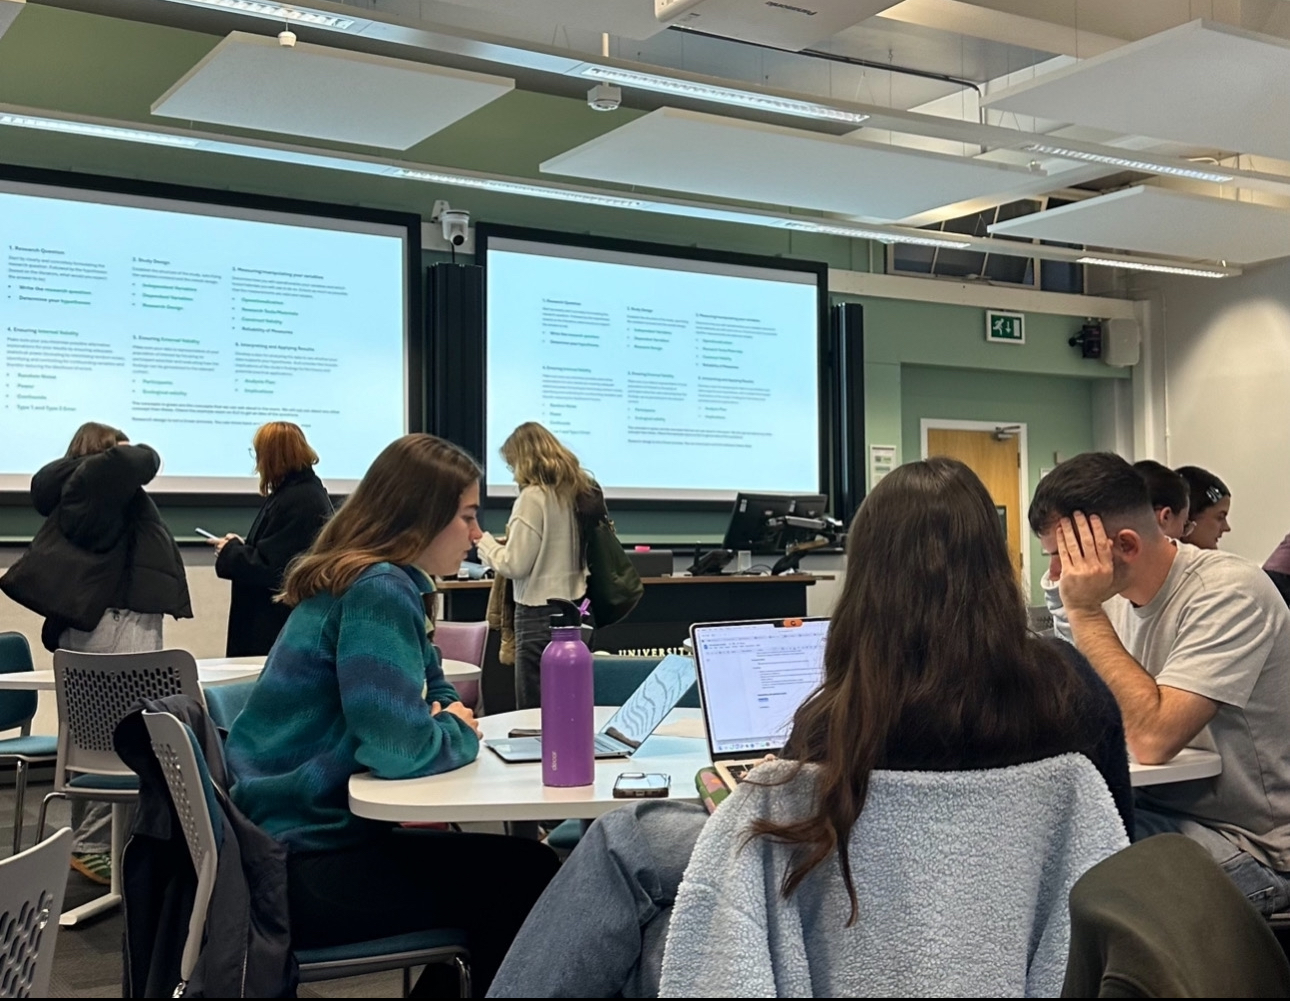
642	785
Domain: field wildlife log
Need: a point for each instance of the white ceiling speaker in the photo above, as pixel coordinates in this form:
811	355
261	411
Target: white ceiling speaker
784	24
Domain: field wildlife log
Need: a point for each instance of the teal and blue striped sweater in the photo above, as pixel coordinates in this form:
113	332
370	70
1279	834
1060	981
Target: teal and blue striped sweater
342	692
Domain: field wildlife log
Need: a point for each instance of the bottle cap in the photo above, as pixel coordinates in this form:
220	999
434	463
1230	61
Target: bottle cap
567	614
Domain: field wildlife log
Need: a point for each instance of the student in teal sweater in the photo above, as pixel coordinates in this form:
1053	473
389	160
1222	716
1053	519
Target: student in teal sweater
342	692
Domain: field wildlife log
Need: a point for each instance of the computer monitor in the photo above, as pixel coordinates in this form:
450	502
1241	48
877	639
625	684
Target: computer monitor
763	523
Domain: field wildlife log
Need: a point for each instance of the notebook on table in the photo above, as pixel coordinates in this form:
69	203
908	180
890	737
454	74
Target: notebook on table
753	676
639	716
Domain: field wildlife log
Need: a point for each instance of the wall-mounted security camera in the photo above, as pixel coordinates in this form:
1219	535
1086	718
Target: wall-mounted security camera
604	97
455	222
287	38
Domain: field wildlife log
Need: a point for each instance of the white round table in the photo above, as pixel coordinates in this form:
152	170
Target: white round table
490	789
453	670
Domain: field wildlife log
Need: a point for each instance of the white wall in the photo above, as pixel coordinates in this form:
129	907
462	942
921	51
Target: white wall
1226	398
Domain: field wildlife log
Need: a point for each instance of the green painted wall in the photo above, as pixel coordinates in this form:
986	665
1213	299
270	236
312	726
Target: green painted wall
1057	412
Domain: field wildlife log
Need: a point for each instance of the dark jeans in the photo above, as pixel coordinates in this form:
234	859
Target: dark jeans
604	918
410	880
532	634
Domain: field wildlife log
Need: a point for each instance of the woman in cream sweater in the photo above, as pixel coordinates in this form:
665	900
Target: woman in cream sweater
545	555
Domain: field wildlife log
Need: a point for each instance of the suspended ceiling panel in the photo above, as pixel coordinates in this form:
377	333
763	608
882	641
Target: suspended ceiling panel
628	18
792	25
1204	84
732	158
252	82
1161	221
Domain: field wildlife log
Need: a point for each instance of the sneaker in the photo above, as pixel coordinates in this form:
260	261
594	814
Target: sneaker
94	866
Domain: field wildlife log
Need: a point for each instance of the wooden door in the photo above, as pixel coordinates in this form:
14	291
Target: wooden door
998	464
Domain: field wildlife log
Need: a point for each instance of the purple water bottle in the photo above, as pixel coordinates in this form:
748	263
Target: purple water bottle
568	721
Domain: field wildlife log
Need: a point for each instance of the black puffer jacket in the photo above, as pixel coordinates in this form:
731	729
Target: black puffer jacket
103	544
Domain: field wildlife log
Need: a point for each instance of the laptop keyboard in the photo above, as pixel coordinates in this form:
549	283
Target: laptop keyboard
738	771
607	745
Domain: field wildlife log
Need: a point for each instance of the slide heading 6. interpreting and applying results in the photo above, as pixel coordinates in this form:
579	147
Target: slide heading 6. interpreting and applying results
190	325
668	377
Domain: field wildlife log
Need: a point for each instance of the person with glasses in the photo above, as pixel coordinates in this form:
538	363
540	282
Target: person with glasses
295	508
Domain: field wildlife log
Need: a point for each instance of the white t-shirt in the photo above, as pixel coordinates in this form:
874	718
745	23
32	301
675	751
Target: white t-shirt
1218	627
541	552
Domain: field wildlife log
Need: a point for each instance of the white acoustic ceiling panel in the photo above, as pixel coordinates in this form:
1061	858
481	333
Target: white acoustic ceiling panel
1160	221
628	18
1203	84
252	82
731	158
783	24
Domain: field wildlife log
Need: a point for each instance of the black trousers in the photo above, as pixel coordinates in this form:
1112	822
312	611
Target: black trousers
410	880
1282	581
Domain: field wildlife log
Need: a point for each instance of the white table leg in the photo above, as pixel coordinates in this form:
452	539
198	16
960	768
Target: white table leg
112	899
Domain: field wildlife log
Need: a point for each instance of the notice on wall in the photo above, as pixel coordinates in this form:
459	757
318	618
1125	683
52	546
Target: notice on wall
882	460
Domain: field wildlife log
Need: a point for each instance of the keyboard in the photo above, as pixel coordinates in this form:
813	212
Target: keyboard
739	770
608	745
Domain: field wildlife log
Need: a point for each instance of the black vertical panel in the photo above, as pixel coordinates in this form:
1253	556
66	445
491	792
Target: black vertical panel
846	391
454	375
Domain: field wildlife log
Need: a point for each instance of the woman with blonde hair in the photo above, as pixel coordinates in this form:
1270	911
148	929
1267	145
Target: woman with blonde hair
545	554
355	683
295	509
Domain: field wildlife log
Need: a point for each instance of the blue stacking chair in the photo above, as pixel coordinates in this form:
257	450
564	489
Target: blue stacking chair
192	792
225	702
16	712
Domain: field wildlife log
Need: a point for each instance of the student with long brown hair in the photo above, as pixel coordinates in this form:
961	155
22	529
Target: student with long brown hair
929	668
545	554
295	508
356	683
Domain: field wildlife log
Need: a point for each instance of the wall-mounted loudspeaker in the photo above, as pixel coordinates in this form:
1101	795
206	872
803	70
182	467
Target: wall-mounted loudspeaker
1121	342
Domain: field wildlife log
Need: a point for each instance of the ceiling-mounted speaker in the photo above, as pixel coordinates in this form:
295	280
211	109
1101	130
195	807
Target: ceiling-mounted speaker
1121	342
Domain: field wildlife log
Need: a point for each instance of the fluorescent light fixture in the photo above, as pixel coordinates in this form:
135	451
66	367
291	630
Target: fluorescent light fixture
98	131
881	235
258	149
1147	167
722	95
520	188
276	12
1164	269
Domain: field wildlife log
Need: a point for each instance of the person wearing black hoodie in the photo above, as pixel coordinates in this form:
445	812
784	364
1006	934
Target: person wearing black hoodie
103	570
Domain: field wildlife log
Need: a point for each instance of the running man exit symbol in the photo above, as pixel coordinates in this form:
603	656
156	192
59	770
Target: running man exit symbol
1005	328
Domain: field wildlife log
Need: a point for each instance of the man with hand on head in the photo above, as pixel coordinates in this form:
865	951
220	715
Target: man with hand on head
1195	646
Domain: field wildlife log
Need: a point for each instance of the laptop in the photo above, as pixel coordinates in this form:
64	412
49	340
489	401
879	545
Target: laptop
753	676
639	716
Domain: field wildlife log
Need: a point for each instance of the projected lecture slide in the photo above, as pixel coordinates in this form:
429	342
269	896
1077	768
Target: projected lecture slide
191	330
657	378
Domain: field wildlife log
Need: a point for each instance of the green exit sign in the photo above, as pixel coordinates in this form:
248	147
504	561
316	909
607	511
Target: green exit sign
1005	328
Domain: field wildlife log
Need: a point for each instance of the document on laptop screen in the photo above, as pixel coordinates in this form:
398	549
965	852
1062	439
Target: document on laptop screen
754	677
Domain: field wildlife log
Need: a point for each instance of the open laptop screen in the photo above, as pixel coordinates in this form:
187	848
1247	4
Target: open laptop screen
752	678
652	701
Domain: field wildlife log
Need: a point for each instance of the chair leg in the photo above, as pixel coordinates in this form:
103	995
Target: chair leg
19	794
112	899
464	987
407	980
44	809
